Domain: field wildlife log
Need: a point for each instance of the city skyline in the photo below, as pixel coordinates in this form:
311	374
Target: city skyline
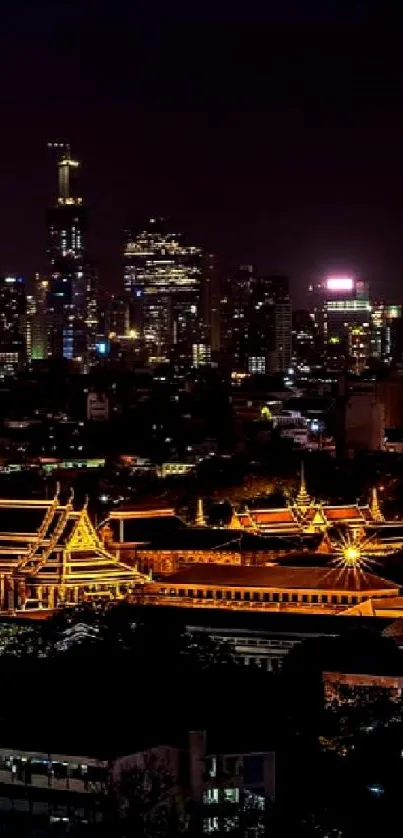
201	430
231	158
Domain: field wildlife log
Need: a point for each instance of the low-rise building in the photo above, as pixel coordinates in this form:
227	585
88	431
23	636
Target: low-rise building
51	789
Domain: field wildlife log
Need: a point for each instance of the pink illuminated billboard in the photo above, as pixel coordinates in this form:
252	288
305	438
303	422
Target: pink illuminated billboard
339	283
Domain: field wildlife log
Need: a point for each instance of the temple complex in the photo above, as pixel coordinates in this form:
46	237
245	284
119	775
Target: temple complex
294	559
280	563
158	540
304	516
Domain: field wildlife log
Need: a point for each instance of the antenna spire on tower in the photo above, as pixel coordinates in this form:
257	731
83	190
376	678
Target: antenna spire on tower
65	164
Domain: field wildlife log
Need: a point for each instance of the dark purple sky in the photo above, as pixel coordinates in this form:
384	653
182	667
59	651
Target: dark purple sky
277	145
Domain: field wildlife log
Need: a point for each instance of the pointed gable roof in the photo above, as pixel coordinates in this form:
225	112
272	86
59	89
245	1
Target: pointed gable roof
77	556
83	535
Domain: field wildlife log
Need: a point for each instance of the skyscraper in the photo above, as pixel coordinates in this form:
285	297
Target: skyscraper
162	278
306	342
211	303
277	288
344	321
13	304
257	327
70	292
39	319
386	332
13	323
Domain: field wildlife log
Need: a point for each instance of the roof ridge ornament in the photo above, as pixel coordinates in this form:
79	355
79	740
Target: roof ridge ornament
375	508
303	499
200	519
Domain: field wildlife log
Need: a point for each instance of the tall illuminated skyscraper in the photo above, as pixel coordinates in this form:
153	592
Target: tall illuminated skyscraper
163	281
70	293
344	321
38	318
13	322
13	305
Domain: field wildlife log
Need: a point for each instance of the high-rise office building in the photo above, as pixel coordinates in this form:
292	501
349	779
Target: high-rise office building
115	316
91	311
235	317
210	308
257	327
306	344
13	304
29	321
352	327
13	324
39	319
162	278
278	287
343	315
386	332
70	293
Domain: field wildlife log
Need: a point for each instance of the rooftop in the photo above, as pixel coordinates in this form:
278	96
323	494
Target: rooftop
226	540
342	513
273	516
297	578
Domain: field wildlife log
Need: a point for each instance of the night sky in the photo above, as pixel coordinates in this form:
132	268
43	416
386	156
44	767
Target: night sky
280	145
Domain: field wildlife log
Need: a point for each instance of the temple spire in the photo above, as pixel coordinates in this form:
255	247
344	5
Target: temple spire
303	499
200	519
374	506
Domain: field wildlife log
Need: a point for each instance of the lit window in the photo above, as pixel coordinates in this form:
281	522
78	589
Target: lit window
210	796
210	825
231	795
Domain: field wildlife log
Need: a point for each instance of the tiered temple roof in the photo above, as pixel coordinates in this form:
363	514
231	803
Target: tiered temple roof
56	558
294	519
281	520
305	515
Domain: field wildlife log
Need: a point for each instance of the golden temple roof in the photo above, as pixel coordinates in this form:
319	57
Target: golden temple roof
64	549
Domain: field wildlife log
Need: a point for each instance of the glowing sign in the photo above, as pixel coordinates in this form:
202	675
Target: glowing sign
340	283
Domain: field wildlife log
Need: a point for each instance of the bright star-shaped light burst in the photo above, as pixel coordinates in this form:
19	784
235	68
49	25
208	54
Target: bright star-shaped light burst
353	552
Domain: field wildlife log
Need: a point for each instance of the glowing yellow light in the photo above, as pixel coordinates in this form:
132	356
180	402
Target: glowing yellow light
69	201
132	333
351	555
266	413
